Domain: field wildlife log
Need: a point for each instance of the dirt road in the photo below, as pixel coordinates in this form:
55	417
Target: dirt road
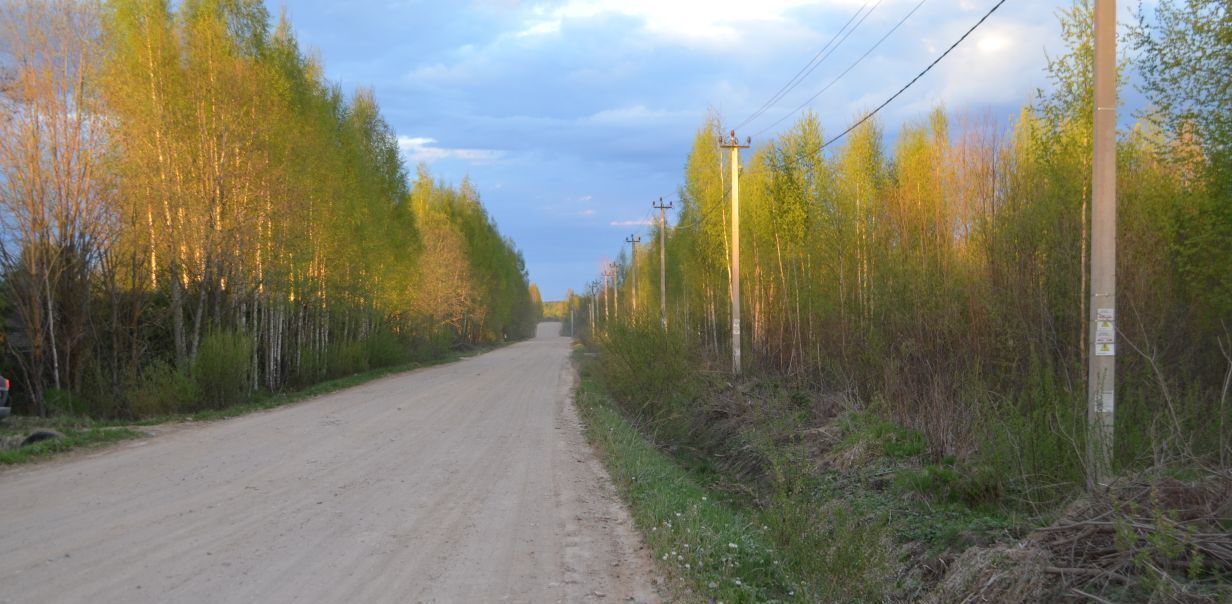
468	482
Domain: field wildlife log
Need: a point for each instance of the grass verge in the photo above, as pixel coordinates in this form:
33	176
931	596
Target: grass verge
715	550
75	437
85	432
763	516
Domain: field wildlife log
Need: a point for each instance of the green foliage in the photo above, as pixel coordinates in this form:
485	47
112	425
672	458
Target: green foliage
163	390
347	359
648	368
73	439
844	553
717	547
945	279
240	191
222	369
63	402
385	349
893	441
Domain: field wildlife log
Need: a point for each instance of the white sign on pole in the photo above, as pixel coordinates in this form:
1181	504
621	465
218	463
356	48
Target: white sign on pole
1105	332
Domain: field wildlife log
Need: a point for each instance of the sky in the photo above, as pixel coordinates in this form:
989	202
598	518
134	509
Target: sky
570	117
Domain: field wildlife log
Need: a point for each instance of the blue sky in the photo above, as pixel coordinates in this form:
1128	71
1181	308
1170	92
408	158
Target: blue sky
571	116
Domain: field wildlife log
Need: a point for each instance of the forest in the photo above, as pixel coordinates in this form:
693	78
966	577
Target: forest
932	286
192	213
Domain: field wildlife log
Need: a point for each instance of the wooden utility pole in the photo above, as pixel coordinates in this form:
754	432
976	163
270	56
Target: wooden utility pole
735	147
1101	367
662	258
633	269
594	291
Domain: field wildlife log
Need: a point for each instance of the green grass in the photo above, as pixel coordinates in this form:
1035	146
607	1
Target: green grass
74	438
85	432
801	533
713	549
797	540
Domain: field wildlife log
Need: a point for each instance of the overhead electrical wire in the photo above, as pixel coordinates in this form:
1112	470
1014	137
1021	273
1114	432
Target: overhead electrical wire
709	212
813	63
845	71
916	78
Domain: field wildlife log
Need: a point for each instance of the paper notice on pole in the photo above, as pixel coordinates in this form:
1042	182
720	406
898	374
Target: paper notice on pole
1105	332
1107	401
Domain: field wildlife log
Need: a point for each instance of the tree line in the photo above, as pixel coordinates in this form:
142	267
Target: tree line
186	200
939	278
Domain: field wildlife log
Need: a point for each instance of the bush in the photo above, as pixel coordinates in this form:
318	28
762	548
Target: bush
162	390
431	344
386	350
61	401
311	369
347	359
647	367
222	369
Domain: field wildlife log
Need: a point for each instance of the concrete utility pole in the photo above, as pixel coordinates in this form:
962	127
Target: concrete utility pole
735	147
633	268
594	291
615	272
1101	370
607	313
662	258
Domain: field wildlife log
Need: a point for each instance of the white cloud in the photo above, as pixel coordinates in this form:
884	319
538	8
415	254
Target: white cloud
993	42
636	114
623	223
690	22
422	149
586	213
1003	66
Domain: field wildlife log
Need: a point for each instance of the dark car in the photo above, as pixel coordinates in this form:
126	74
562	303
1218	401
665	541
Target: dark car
4	397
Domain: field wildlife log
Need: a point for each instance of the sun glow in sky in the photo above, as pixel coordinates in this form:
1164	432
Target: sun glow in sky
571	116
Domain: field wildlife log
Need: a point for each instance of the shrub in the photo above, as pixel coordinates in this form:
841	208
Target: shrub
222	369
647	367
386	349
311	369
162	390
347	359
430	344
61	401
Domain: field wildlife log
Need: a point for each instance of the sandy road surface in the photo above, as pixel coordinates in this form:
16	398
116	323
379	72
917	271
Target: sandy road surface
468	482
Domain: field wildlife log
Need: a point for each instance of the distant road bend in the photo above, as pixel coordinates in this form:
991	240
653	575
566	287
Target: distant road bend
467	482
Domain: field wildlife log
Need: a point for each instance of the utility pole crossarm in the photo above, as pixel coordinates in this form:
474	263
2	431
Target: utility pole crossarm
734	144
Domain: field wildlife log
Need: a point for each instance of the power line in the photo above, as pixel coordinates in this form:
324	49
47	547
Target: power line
845	71
812	65
917	77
